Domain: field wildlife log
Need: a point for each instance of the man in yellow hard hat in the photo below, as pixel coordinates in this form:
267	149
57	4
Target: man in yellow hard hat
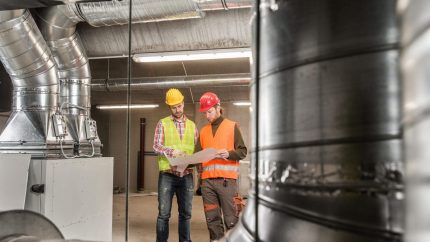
175	135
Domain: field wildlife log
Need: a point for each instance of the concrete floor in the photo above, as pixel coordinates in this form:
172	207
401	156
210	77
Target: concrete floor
143	210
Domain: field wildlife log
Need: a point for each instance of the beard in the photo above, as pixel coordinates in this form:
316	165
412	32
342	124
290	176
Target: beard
178	114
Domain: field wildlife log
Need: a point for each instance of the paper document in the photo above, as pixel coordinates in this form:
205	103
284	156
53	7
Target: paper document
183	161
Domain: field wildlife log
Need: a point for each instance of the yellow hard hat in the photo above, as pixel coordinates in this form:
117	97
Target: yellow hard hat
173	97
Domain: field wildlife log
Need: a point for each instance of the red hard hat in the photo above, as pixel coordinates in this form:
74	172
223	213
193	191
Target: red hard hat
208	100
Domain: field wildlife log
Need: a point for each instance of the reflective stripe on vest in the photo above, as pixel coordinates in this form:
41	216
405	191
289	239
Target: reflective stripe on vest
223	139
221	167
172	140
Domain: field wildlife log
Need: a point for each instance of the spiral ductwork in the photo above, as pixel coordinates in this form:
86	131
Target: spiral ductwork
29	62
330	157
58	26
415	66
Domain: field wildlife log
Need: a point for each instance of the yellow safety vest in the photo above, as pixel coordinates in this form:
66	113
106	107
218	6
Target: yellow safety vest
172	140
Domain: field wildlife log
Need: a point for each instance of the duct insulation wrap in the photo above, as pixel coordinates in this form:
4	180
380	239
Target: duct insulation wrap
329	140
116	12
415	66
29	62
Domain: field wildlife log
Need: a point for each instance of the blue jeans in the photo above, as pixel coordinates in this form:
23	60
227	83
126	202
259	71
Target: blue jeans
168	185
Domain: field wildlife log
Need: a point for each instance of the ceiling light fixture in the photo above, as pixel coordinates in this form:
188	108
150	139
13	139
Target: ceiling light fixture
193	55
242	103
133	106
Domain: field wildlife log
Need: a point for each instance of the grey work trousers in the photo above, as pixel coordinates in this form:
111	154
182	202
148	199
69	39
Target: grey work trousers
220	198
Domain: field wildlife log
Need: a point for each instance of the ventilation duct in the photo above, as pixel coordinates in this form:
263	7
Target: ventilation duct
58	27
116	12
29	62
214	31
121	84
330	162
415	65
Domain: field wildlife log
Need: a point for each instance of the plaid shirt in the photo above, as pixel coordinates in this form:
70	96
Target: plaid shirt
159	147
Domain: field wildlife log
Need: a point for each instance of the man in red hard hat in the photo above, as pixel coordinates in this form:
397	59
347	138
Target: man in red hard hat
219	176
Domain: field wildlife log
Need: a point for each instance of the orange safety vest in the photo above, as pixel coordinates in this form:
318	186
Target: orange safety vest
223	139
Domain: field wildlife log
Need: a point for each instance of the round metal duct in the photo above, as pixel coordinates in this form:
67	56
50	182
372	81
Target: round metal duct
330	158
23	225
415	65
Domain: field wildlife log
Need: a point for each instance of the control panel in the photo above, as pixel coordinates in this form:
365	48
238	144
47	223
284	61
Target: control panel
90	129
59	125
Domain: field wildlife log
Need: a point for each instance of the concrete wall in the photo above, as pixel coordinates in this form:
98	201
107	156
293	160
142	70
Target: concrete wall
112	130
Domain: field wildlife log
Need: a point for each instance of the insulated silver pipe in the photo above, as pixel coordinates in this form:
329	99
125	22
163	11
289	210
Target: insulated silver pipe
121	84
74	72
58	25
415	66
330	140
115	12
29	62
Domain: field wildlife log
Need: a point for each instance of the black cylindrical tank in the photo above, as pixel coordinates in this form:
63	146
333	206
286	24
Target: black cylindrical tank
329	141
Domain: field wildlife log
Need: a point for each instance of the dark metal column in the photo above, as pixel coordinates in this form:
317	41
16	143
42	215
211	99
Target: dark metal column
330	138
141	166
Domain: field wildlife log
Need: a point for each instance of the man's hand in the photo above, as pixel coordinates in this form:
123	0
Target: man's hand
173	168
222	154
177	153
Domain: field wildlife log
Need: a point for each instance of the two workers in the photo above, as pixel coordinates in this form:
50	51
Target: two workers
176	135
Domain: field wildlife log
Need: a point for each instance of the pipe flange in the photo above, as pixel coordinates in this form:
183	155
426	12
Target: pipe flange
18	223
